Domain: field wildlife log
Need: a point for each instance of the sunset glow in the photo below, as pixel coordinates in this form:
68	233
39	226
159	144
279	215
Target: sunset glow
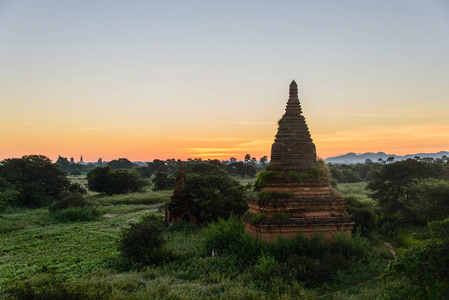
146	80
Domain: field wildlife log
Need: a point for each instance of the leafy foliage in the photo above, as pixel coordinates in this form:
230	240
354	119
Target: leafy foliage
362	212
142	242
263	178
162	182
121	163
241	169
213	196
427	266
428	200
104	180
69	200
76	214
389	185
36	179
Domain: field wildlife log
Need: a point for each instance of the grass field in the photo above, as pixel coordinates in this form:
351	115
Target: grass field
36	248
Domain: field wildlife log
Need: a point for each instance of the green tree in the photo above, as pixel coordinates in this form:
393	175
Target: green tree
426	265
429	199
142	243
214	196
162	181
389	185
264	159
361	211
35	177
104	180
247	158
241	169
390	159
157	166
121	163
63	164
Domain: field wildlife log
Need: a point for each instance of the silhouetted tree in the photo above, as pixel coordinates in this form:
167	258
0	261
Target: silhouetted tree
121	163
36	179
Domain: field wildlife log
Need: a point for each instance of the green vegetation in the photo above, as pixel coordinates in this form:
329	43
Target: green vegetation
96	246
263	178
30	181
259	217
104	180
214	196
162	182
390	186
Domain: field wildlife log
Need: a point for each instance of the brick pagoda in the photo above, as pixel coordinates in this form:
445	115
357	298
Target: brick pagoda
177	209
294	192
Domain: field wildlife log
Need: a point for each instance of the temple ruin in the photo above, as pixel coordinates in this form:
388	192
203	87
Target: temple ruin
178	209
294	193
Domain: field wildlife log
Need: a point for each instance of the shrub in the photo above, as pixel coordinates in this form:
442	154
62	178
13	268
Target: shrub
308	270
75	172
141	244
76	214
266	268
389	185
263	178
35	177
104	180
77	187
362	213
8	198
161	181
213	196
69	200
426	266
228	237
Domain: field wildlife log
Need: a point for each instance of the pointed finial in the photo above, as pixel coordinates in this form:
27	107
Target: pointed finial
293	89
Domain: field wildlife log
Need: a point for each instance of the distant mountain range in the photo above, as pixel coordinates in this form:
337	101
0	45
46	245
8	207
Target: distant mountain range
352	158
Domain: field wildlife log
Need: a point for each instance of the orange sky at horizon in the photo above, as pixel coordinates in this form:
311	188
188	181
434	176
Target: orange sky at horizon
141	146
209	79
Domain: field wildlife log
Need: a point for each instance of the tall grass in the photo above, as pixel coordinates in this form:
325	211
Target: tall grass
149	197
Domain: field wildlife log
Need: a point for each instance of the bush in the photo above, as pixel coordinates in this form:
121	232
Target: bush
428	200
104	180
76	214
142	243
77	187
8	198
213	196
75	172
389	185
69	200
228	237
308	270
266	268
426	266
361	211
36	179
162	182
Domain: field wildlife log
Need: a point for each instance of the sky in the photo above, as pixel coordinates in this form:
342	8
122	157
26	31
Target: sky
209	79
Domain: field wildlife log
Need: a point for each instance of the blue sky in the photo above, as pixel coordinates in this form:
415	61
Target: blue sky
148	79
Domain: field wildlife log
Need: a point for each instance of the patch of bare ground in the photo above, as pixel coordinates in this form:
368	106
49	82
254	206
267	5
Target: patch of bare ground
109	216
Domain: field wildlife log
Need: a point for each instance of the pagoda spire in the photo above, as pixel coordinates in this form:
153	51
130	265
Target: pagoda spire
293	149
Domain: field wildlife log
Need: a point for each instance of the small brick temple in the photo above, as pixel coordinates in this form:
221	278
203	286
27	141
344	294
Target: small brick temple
178	209
295	194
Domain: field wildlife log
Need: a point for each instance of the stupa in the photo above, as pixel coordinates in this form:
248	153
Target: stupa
178	209
295	194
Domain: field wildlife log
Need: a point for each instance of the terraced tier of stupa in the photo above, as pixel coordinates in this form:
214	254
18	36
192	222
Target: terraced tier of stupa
295	194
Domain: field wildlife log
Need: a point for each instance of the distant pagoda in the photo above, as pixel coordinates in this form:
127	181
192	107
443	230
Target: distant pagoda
294	192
